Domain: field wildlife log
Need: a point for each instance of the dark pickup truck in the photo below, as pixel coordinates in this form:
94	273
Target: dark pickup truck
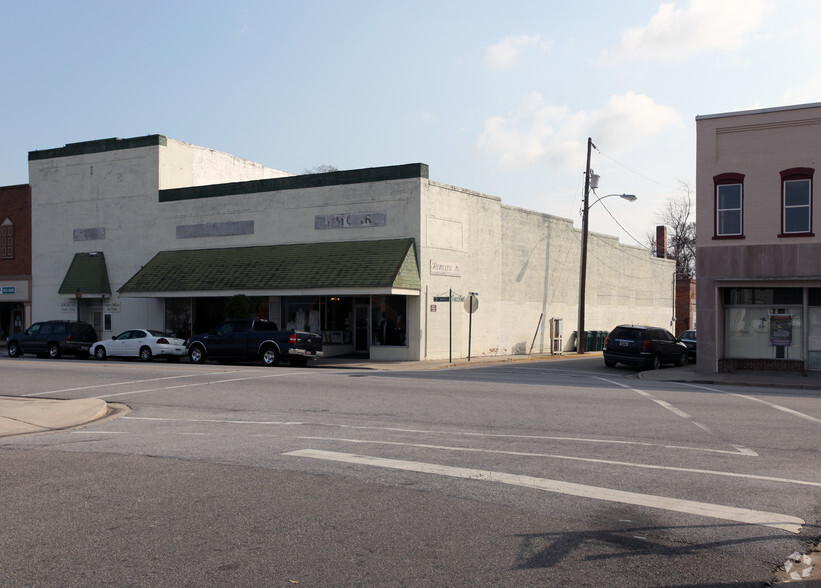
237	340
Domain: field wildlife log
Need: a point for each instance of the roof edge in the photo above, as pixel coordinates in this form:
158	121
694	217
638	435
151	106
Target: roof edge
759	111
337	178
98	146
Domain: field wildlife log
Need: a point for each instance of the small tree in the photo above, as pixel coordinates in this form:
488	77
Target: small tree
238	307
320	169
679	216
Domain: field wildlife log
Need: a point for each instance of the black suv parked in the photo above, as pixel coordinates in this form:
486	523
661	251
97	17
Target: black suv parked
643	346
53	339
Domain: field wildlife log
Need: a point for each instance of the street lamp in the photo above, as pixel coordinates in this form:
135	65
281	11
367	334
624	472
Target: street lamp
580	347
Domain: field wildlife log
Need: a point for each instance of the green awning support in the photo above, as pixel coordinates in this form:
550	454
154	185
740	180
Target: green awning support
87	275
351	265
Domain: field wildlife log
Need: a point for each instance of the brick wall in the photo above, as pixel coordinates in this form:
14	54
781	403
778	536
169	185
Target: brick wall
15	205
685	304
781	365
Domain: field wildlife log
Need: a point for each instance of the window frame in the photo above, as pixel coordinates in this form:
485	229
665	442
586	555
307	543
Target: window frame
793	175
728	179
7	239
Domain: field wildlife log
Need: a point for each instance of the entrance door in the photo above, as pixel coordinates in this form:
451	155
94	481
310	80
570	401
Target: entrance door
362	330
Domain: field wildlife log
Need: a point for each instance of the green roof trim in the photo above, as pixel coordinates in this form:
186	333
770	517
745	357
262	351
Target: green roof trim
352	264
337	178
98	146
86	274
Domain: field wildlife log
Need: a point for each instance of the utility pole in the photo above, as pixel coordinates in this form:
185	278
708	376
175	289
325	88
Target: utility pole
583	271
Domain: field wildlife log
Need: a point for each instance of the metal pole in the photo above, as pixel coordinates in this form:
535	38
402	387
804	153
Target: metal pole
583	271
470	324
450	326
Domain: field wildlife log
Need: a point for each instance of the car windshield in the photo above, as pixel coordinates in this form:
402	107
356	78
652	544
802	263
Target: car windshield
158	333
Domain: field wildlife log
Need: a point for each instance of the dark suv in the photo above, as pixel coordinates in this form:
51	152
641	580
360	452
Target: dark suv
643	346
53	339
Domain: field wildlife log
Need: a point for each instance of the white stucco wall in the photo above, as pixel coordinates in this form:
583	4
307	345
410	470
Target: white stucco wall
523	264
183	164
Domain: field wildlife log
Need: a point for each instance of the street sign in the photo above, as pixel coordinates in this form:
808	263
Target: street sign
471	303
441	298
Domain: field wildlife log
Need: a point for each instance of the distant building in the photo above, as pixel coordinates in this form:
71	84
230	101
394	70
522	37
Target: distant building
153	232
759	258
15	259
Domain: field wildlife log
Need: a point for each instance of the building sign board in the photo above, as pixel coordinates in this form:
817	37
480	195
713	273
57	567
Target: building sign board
9	290
353	220
445	268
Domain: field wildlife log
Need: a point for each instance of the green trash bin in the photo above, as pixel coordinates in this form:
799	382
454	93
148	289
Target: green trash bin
590	341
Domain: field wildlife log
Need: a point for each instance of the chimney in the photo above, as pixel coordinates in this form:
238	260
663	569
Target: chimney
661	241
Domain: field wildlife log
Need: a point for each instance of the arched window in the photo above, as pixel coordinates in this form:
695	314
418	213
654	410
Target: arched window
7	239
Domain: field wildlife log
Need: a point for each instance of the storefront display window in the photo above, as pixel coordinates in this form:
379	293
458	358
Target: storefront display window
389	320
764	332
178	317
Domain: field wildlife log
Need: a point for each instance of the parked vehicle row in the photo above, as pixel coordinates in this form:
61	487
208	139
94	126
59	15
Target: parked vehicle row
644	346
230	341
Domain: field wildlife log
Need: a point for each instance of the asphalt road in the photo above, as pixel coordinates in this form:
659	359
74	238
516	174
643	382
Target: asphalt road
541	473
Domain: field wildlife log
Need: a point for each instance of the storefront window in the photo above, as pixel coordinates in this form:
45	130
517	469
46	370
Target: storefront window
178	317
302	313
338	325
736	296
389	320
764	332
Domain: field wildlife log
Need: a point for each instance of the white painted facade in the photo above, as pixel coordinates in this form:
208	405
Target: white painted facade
523	264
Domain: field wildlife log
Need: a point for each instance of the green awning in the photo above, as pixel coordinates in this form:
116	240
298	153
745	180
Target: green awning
355	267
87	275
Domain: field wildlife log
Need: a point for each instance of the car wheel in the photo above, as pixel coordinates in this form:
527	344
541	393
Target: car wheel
197	354
657	361
100	353
53	350
270	356
145	354
683	360
14	349
610	363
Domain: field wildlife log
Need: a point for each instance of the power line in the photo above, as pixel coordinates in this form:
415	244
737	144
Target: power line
641	175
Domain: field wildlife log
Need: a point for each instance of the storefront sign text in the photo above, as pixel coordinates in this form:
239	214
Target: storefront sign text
353	220
445	268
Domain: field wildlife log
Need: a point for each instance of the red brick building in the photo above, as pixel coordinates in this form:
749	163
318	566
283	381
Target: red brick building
15	259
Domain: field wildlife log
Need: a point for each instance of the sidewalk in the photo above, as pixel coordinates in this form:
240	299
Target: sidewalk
21	415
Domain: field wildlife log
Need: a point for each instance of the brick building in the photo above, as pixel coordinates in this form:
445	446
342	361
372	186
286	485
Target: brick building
15	259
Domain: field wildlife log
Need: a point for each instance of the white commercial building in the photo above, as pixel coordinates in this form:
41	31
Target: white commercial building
153	232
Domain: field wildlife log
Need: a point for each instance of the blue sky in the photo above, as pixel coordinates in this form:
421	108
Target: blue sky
498	97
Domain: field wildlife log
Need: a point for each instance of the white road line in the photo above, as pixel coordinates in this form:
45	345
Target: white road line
800	415
738	449
108	385
667	405
716	511
574	458
193	384
222	421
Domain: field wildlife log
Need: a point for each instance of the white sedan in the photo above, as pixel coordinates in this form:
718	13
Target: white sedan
143	343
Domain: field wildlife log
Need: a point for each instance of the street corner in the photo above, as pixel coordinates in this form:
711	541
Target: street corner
23	416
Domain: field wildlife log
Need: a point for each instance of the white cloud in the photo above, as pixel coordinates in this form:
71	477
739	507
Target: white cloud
506	51
808	92
702	25
539	134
